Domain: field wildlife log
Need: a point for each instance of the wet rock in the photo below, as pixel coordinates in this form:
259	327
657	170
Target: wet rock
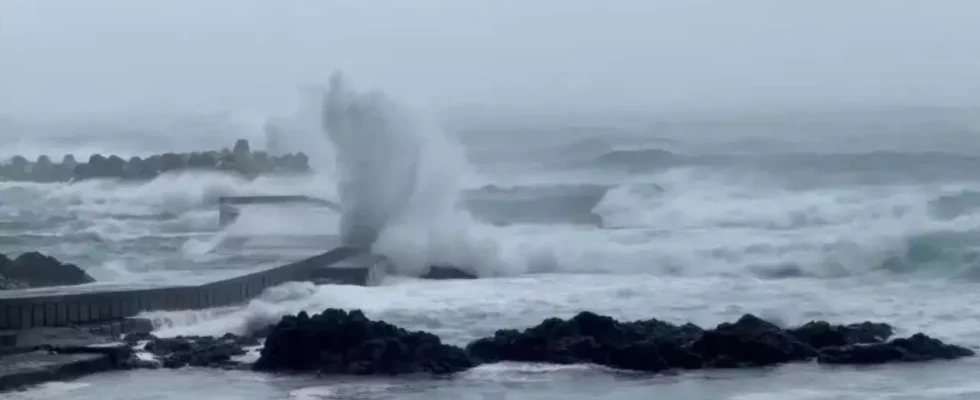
916	348
136	337
341	342
821	334
199	351
650	345
654	345
750	341
38	270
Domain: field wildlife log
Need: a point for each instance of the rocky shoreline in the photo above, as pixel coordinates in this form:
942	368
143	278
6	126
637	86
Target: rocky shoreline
348	343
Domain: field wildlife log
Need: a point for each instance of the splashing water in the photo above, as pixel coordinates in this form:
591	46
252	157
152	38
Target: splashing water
398	180
377	159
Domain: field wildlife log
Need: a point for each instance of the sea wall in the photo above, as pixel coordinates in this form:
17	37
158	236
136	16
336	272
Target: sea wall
19	310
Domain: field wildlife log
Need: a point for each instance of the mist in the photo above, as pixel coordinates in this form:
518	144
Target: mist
103	57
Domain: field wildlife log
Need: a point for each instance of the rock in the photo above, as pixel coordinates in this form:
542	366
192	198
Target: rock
917	348
650	345
750	341
654	345
136	337
38	270
821	334
340	342
10	284
199	351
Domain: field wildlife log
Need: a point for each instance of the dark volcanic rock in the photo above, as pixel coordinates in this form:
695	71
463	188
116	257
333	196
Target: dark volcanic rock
654	345
750	341
197	351
650	345
38	270
821	334
918	347
340	342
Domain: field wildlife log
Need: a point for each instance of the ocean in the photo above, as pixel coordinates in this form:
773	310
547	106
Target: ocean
844	216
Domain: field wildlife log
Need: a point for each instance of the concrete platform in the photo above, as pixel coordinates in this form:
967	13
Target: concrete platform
16	341
31	368
228	206
97	304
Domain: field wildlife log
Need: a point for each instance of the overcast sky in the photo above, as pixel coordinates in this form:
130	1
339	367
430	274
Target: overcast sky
104	56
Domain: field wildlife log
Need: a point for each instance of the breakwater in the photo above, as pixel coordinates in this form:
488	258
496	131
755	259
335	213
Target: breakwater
87	305
240	160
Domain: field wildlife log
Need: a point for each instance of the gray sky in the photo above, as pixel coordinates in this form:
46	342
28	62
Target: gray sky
101	56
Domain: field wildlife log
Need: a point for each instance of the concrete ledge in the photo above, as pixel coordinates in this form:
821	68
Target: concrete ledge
26	310
26	340
227	212
25	369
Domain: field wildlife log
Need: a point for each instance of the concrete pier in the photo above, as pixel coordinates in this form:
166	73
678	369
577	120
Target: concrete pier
71	306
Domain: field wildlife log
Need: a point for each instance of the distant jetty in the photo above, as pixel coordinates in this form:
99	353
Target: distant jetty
240	160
